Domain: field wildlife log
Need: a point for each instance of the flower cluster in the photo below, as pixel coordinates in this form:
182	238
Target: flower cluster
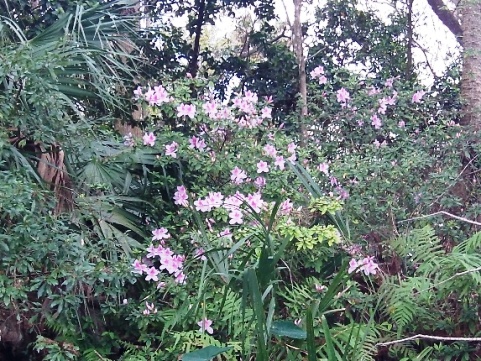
366	265
173	264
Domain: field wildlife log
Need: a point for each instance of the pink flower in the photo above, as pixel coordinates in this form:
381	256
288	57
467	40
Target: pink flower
180	278
199	253
418	96
197	143
286	207
388	83
210	108
139	267
266	112
360	123
291	147
401	124
250	96
317	72
270	150
181	197
234	202
369	266
342	95
202	205
215	199
149	139
187	110
138	92
376	122
149	308
152	273
260	182
255	202
171	149
280	163
157	96
262	167
352	265
324	168
160	234
205	325
320	288
236	217
322	79
238	175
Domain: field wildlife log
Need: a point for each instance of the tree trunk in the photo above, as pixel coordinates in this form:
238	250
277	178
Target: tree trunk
471	73
194	58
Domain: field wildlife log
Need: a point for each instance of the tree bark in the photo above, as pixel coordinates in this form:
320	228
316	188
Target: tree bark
471	73
447	18
194	59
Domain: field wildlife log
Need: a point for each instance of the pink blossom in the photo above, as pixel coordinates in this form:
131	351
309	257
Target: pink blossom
236	217
205	326
376	122
180	278
155	251
210	108
255	202
286	207
234	202
268	99
369	266
401	124
181	197
373	91
139	267
171	149
291	147
266	112
320	288
215	199
360	122
187	110
317	72
149	139
250	96
149	308
418	96
322	79
199	252
160	234
238	175
262	167
292	158
202	205
260	182
138	92
388	83
197	143
280	163
270	150
157	96
353	265
152	273
342	95
324	168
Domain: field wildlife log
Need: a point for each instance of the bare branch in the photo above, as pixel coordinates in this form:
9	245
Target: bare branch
429	337
446	214
447	18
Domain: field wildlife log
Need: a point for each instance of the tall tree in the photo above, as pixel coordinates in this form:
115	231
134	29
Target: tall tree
466	27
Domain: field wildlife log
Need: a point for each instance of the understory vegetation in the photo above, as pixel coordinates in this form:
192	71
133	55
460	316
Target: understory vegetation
163	198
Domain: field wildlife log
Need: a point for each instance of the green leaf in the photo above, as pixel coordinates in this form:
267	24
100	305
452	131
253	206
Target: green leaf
288	329
205	354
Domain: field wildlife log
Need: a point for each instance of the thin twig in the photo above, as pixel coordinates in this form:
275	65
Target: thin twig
429	337
446	214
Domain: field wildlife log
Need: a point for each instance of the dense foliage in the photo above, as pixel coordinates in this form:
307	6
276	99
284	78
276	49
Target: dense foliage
151	210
